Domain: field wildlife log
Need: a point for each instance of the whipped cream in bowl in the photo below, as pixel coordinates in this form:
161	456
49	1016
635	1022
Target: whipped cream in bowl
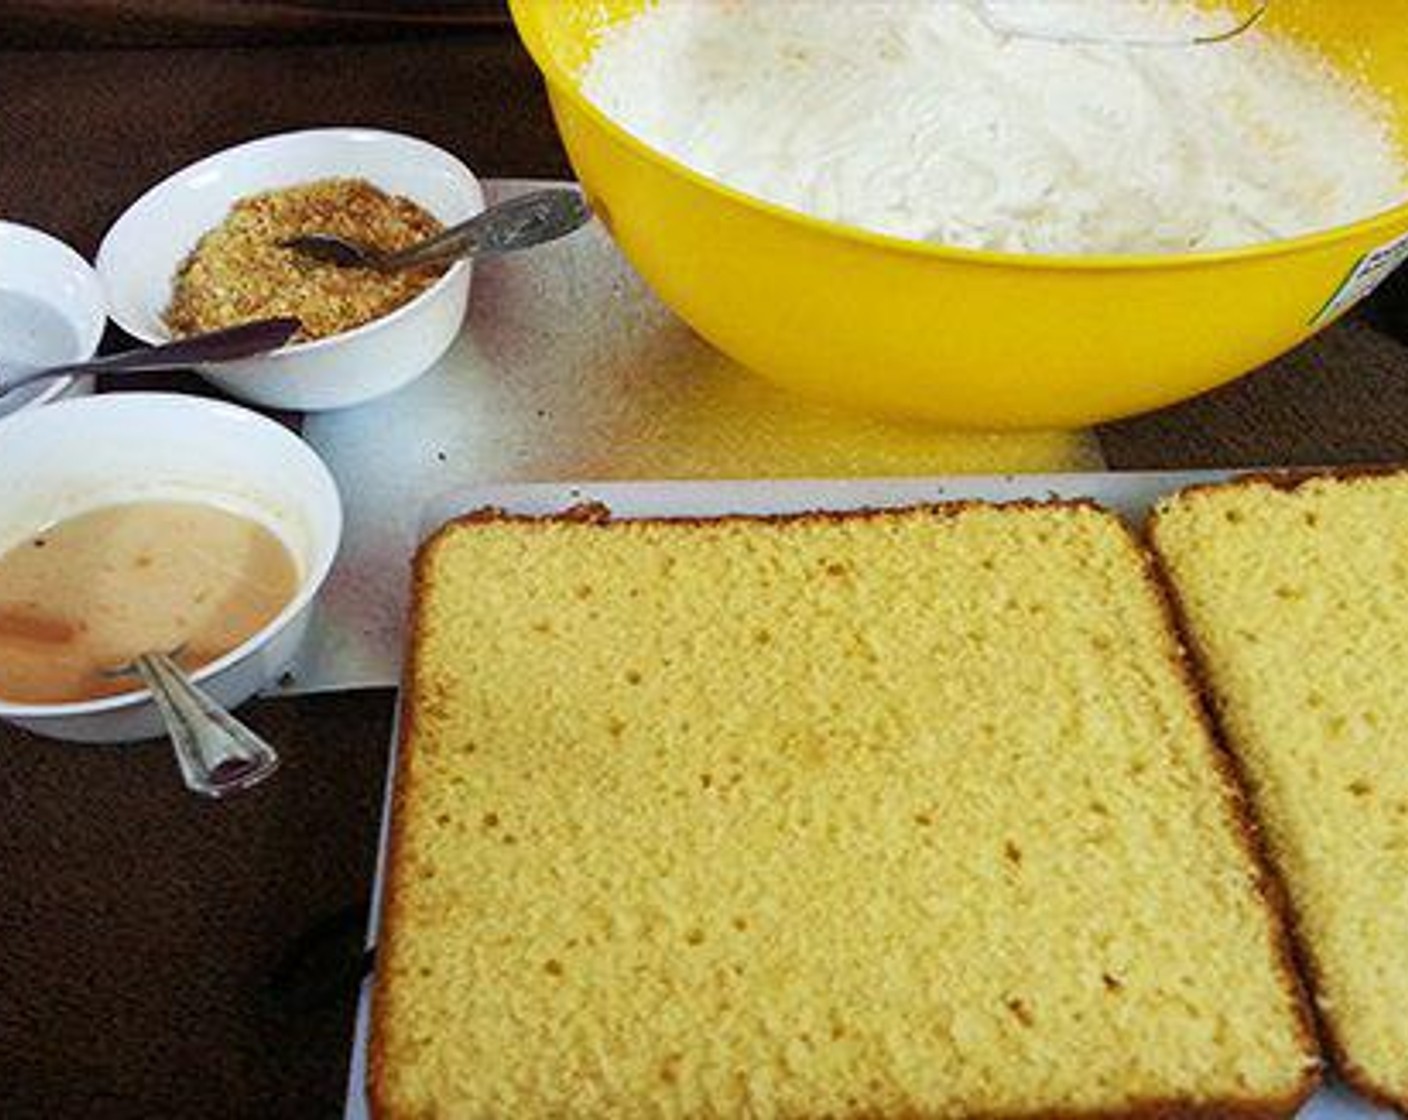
916	119
894	206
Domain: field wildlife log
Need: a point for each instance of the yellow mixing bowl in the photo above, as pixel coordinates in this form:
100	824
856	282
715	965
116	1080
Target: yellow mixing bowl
973	339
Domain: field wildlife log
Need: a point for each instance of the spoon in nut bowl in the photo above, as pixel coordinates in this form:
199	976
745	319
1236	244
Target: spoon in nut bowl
218	755
508	227
228	345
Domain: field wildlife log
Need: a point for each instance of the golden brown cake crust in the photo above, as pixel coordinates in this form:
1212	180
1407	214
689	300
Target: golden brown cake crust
1302	952
595	513
1269	883
1287	481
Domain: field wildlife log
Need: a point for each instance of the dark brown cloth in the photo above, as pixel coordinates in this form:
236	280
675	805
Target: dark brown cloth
139	928
146	23
83	133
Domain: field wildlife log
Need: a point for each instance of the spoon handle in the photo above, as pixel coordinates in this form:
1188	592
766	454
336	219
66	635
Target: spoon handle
519	223
228	345
218	755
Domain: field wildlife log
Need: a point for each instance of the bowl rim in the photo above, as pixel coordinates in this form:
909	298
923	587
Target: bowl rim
562	83
108	267
310	584
90	329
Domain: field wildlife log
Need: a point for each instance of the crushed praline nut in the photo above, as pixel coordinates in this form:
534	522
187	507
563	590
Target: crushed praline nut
239	272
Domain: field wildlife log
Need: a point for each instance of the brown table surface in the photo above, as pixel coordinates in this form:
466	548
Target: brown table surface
139	928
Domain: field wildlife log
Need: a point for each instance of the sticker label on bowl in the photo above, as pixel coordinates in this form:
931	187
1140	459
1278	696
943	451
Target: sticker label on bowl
1368	274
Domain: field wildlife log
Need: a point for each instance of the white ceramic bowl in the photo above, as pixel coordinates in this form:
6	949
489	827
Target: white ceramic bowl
37	267
142	251
75	456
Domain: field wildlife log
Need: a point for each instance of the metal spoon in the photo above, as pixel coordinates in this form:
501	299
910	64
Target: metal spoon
520	223
216	346
218	755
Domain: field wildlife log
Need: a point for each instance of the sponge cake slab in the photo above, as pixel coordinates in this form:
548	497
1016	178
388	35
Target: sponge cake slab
897	814
1296	597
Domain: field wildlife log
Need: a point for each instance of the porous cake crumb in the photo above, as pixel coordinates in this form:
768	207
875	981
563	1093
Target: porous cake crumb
880	815
1296	596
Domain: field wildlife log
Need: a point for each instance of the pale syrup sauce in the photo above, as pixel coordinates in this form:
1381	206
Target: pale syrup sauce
91	593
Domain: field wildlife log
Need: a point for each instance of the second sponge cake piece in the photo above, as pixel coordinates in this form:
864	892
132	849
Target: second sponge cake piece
1297	597
881	815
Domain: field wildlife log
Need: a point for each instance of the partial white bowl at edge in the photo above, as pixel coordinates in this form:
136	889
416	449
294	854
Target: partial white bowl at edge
141	253
74	456
39	267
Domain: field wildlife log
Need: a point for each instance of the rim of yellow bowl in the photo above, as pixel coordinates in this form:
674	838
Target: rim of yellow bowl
562	82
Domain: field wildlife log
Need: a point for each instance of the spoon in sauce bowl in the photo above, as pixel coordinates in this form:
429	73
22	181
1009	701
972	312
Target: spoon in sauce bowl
90	606
218	754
